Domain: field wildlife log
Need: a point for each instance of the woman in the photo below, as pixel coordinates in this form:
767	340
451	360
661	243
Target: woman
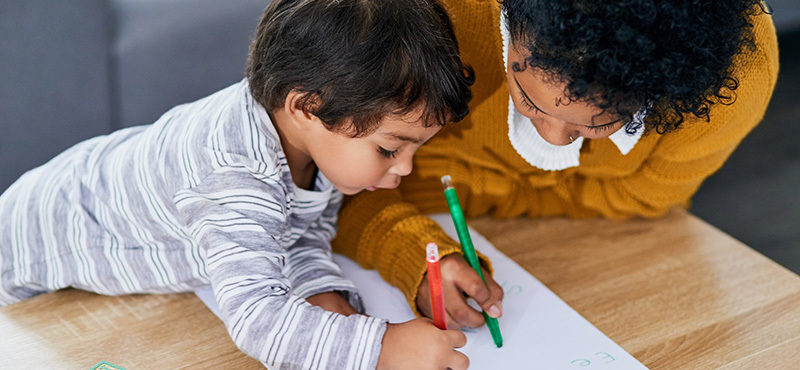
581	109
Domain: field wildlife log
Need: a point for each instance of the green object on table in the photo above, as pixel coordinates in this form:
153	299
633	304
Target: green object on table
468	249
104	365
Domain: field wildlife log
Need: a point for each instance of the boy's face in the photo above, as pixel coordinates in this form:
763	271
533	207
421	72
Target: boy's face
370	162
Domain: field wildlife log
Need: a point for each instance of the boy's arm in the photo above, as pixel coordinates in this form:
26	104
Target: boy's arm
310	266
230	214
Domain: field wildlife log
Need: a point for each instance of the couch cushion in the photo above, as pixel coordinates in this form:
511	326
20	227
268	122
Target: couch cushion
54	75
171	52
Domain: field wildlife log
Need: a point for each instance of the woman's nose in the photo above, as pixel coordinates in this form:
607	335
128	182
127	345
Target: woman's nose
554	132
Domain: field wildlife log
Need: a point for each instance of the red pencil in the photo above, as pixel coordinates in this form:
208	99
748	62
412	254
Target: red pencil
435	284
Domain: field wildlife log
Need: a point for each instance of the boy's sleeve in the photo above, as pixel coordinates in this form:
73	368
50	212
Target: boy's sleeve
230	213
310	266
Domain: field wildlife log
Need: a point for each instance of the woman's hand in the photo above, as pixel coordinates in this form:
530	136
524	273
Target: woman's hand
459	282
419	345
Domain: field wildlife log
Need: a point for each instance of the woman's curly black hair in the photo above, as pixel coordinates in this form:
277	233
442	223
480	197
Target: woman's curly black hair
670	57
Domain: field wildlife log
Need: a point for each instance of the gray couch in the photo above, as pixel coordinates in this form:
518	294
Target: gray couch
71	70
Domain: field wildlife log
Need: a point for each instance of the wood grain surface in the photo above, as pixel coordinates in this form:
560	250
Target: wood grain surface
674	292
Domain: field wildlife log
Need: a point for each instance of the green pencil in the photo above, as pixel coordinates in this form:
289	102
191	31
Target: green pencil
468	249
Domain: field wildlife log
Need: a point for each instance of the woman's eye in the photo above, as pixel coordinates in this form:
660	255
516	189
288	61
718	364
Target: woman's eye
387	153
527	105
600	129
607	126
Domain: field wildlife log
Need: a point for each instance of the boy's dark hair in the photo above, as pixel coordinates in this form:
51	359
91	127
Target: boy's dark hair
672	58
357	61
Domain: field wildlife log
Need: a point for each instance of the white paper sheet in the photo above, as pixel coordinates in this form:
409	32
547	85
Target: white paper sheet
539	330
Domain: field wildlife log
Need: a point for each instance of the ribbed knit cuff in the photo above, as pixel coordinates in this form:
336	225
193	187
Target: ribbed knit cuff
405	266
392	240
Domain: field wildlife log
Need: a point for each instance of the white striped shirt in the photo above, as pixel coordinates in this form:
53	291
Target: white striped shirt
202	196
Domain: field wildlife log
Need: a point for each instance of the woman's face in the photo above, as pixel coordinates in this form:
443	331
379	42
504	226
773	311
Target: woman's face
557	120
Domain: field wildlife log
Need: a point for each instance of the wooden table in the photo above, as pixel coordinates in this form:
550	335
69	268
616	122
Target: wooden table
674	292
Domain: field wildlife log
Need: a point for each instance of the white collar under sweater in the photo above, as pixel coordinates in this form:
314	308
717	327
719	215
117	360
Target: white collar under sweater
538	152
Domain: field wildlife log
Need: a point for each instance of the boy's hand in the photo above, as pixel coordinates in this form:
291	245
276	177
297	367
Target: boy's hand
460	281
419	345
332	301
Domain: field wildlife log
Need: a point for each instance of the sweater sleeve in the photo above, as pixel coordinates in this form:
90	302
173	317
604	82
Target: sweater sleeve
382	231
234	215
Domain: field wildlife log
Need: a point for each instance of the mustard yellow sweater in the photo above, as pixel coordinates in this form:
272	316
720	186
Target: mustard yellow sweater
386	230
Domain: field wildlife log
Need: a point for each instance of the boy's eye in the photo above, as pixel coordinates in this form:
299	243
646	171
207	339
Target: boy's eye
387	153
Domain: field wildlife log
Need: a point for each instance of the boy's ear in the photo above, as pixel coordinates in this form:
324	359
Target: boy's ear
293	105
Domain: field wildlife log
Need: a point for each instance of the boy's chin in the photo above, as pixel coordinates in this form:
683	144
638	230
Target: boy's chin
356	190
351	191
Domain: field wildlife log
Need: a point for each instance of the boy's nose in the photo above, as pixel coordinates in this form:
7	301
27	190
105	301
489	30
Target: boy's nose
403	167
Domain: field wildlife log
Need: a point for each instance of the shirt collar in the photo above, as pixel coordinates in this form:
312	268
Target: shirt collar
539	153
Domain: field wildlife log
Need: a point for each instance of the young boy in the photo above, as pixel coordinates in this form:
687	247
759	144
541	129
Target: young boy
241	189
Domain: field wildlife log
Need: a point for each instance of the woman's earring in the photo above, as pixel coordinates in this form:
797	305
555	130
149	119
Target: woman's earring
571	140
